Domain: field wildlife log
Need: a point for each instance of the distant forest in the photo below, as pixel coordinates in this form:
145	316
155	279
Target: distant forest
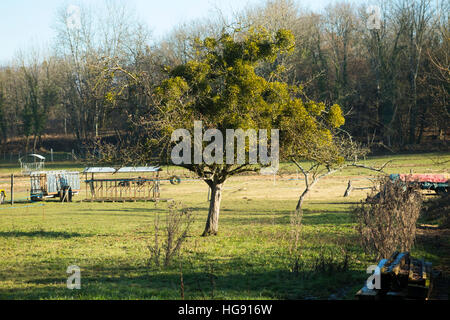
392	82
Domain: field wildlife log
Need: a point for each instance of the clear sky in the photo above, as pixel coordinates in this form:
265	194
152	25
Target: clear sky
28	23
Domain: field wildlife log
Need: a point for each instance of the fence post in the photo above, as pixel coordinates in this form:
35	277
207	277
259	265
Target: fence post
12	189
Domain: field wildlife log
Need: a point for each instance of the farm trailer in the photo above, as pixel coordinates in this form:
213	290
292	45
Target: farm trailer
55	184
435	182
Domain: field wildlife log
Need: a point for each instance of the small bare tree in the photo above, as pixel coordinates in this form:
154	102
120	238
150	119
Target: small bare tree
386	221
328	159
176	227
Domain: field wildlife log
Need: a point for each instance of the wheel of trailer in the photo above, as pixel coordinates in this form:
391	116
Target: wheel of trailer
175	180
69	195
63	195
2	198
442	191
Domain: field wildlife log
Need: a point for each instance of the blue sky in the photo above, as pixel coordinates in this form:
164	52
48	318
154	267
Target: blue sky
28	23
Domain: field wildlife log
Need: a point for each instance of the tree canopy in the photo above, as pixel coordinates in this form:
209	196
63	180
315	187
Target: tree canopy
222	86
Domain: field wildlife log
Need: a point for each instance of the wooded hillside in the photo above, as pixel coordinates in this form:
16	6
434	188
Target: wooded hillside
392	82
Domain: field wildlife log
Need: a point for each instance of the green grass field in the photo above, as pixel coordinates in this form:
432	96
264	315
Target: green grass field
249	259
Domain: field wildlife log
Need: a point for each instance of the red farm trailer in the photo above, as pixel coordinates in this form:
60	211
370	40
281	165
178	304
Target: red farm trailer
436	182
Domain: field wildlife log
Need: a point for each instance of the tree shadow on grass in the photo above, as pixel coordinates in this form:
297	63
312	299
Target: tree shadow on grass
41	234
241	217
334	203
126	212
255	220
229	280
310	217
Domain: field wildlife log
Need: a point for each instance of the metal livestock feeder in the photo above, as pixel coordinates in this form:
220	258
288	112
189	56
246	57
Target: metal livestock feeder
32	163
54	184
120	188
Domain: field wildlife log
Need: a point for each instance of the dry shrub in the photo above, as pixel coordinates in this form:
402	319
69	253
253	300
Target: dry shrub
332	256
174	232
387	219
331	260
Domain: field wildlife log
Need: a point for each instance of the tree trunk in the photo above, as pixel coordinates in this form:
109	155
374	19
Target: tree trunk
308	188
301	199
413	112
212	224
421	128
34	143
26	144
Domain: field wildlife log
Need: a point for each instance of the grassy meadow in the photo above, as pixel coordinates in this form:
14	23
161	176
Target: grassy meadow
249	259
